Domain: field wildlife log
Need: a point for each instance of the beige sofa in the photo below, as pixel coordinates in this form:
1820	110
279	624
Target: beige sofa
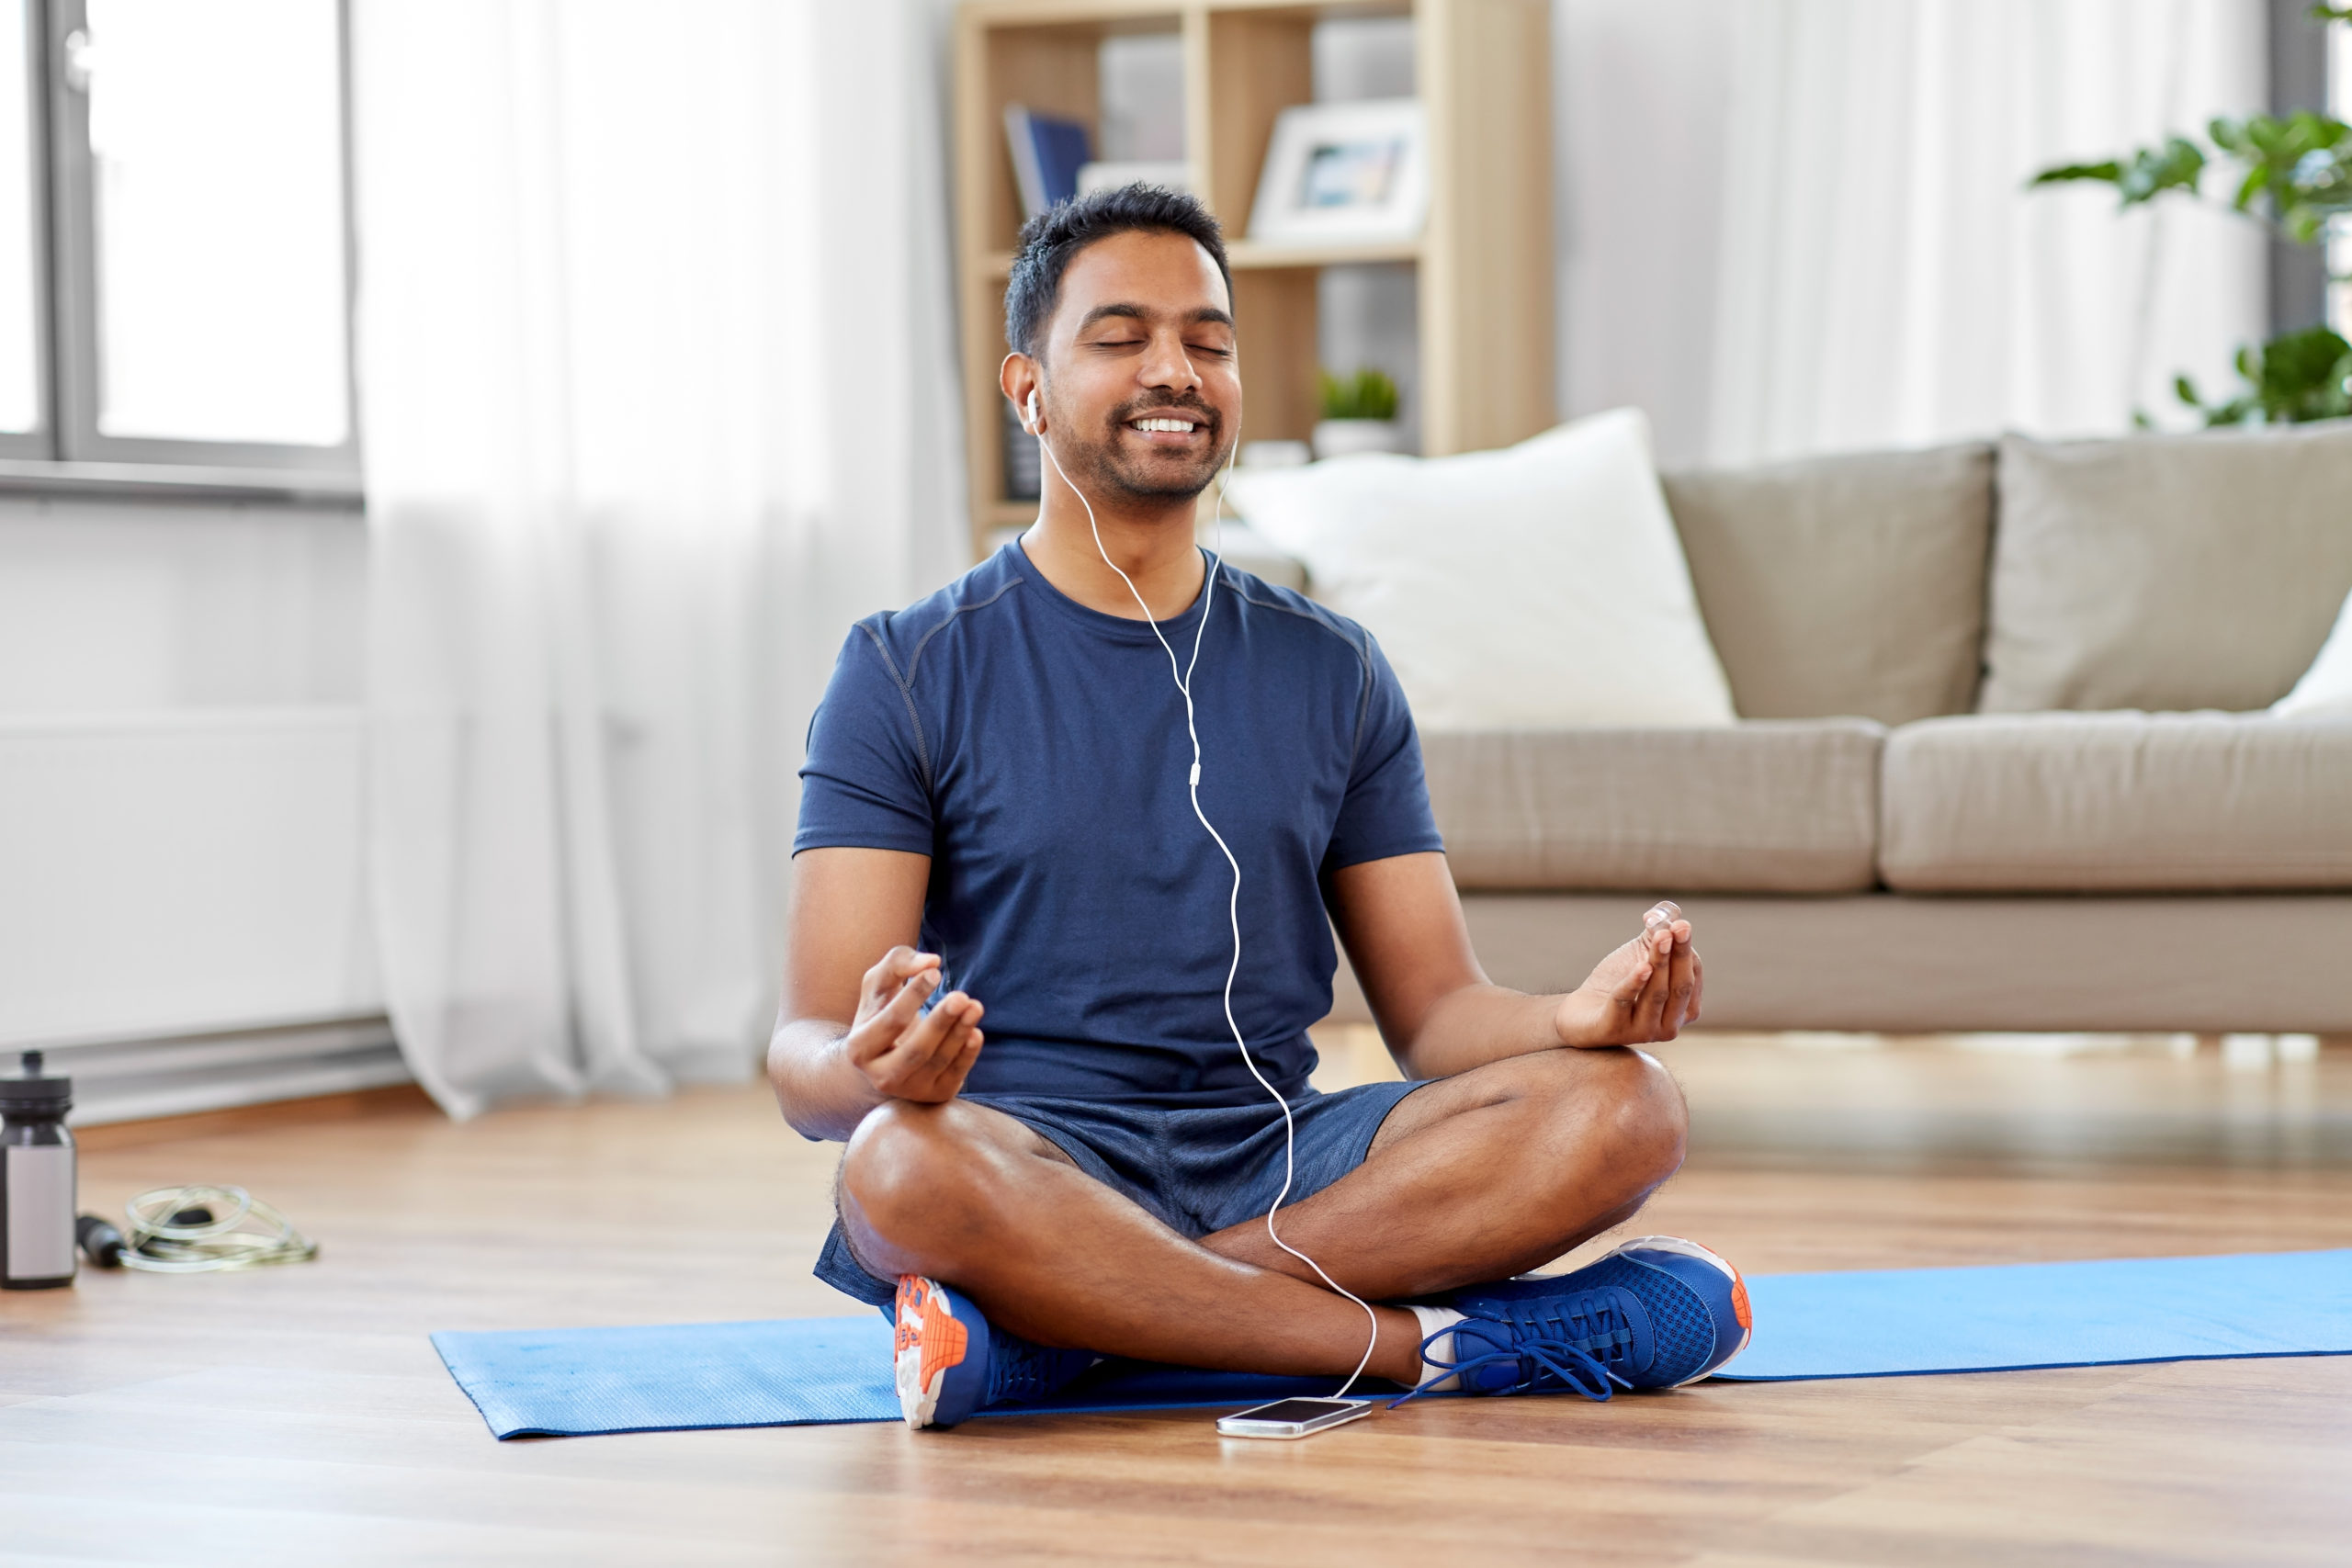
1997	767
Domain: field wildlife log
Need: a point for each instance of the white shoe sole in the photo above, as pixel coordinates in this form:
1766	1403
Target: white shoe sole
917	1404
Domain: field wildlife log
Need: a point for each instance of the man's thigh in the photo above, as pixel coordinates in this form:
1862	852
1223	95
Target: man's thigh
1561	1077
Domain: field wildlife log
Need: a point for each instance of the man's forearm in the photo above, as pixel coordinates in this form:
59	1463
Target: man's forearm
1478	1024
820	1090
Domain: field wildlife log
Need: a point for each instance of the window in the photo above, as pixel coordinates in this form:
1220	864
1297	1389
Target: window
173	239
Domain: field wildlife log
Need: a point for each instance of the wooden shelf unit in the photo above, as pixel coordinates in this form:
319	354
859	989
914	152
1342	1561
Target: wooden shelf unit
1482	68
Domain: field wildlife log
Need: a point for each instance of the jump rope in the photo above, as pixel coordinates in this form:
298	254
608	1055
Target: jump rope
1182	671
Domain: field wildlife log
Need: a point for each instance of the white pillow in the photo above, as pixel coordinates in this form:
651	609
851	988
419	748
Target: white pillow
2326	690
1540	586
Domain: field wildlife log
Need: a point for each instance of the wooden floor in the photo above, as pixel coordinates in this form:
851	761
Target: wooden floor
297	1415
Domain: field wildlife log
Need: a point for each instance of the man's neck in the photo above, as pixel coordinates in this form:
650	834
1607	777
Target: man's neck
1153	544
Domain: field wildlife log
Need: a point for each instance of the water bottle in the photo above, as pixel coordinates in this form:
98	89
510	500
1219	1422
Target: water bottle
36	1179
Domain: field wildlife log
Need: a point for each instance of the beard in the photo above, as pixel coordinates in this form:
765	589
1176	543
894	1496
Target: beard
1117	469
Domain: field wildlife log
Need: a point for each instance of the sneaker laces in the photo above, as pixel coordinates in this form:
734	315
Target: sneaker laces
1554	1341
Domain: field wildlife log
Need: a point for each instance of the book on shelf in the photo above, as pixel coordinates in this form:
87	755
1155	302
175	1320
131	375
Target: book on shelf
1047	153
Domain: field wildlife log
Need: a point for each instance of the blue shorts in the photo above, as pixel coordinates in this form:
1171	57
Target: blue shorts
1197	1171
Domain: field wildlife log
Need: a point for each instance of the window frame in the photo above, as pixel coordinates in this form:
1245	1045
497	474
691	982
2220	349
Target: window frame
67	452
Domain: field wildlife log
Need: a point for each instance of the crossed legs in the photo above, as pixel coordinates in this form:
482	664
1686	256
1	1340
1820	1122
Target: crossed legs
1487	1174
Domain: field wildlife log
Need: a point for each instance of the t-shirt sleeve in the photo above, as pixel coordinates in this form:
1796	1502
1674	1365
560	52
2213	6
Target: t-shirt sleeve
865	783
1386	810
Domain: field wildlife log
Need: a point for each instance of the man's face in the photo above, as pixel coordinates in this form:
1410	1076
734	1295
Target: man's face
1143	386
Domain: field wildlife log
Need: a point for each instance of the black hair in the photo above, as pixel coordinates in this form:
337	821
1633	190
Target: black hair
1049	240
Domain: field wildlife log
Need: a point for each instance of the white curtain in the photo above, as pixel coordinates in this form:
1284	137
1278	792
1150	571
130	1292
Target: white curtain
658	390
1884	278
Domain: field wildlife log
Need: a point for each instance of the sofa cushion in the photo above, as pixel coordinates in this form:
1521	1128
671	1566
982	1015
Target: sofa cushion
2169	572
2113	802
1769	806
1844	586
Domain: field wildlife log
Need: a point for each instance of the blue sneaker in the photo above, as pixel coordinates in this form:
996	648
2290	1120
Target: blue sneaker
1657	1312
948	1363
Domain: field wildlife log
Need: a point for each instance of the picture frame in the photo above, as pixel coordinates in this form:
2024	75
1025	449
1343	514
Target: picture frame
1344	173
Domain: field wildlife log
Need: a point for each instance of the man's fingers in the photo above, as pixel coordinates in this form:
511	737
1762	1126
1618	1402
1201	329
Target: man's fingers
947	1074
926	1040
921	1039
1640	963
875	1034
906	1005
887	968
1698	987
891	970
1656	998
935	1074
1678	984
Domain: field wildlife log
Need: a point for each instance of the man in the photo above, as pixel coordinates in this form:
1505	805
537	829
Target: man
999	813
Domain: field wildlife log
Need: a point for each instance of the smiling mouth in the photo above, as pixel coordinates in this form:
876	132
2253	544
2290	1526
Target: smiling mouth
1165	424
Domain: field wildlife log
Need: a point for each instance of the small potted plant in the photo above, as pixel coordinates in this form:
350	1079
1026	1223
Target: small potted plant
1359	415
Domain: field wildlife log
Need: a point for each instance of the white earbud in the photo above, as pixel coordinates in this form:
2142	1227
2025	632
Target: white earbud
1029	415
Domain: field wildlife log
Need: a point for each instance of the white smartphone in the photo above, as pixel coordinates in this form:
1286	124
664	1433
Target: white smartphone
1291	1417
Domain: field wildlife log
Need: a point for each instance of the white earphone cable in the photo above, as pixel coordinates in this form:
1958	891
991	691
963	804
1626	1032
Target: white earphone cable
1183	675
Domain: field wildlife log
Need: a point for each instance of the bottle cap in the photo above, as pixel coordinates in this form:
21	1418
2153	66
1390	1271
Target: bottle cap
35	1092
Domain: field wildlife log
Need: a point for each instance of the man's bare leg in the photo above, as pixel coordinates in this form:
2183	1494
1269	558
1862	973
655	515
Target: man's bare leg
1484	1176
969	1196
1513	1167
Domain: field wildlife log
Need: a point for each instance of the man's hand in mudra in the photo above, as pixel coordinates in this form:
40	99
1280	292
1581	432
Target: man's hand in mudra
1644	992
904	1052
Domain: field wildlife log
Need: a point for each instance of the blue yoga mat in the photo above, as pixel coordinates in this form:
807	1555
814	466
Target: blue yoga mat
1893	1322
575	1381
571	1382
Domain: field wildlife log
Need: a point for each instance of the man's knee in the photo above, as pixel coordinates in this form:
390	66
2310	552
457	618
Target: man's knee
1627	1103
1649	1122
909	1166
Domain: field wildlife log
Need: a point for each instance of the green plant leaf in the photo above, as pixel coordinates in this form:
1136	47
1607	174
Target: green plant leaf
2143	175
2306	375
2110	172
2177	165
2257	182
2295	377
2298	169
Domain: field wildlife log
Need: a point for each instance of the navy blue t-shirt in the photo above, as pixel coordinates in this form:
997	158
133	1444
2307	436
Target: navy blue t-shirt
1035	749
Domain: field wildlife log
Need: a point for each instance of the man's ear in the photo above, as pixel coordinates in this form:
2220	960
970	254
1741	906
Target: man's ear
1020	377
